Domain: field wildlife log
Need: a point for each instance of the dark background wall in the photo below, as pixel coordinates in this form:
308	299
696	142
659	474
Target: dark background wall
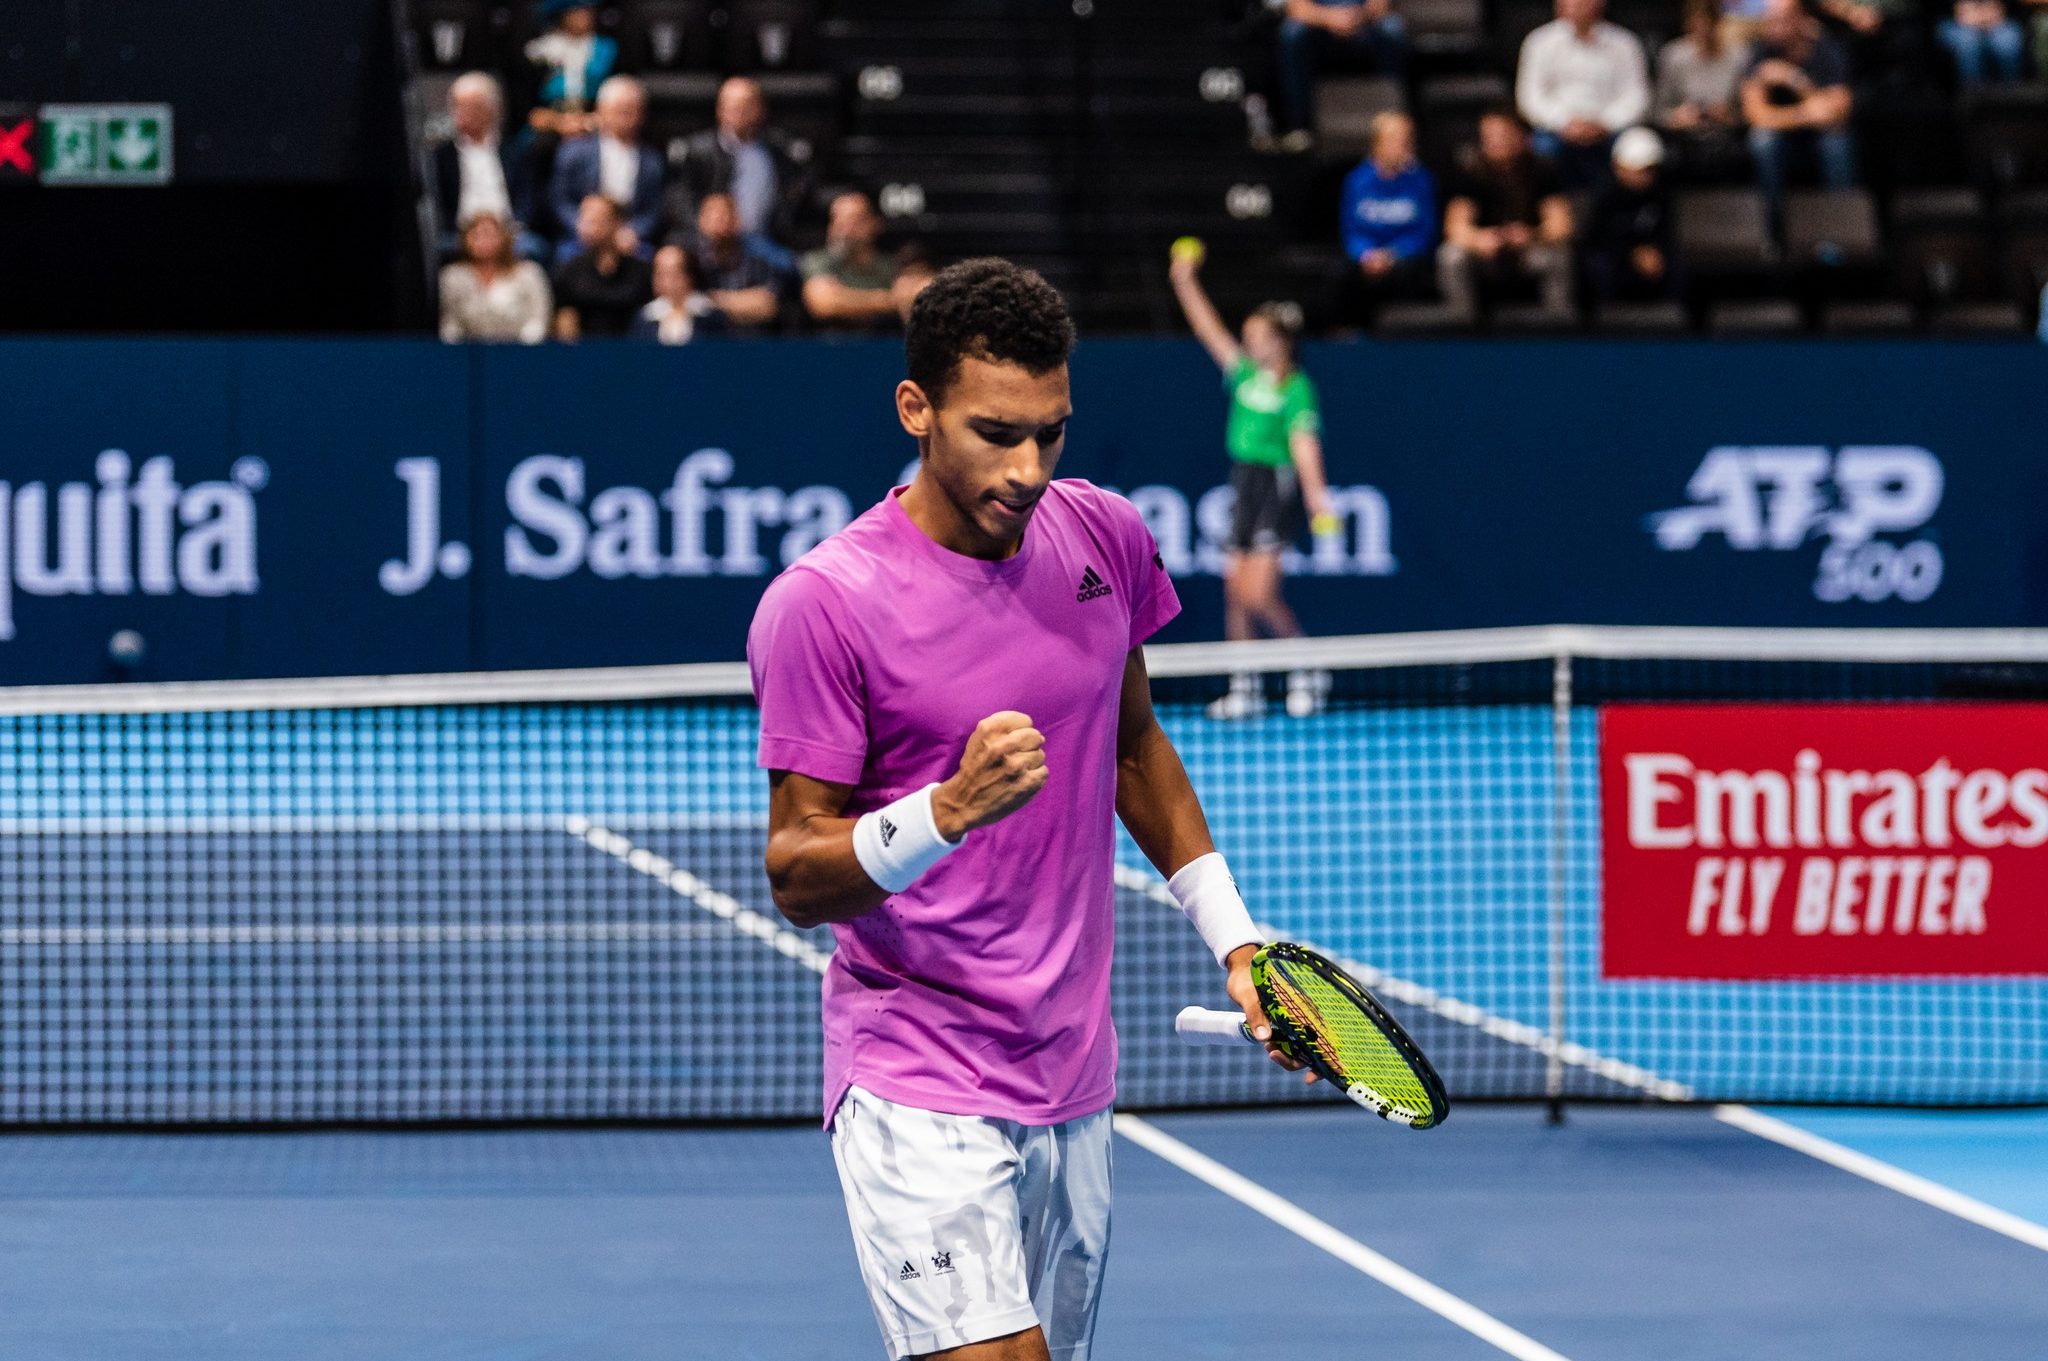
291	203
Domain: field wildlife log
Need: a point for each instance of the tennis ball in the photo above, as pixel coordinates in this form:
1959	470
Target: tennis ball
1189	248
1326	524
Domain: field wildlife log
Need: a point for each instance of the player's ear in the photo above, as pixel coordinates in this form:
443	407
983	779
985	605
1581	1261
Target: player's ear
914	410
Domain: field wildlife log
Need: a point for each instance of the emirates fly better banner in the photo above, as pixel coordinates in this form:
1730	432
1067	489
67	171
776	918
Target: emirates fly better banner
1760	841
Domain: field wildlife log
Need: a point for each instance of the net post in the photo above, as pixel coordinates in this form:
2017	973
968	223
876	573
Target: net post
1560	848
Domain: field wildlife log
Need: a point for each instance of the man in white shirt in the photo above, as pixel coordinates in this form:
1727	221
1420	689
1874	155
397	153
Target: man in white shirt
474	174
615	164
1579	82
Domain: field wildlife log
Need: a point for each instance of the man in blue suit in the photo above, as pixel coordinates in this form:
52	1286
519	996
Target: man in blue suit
615	164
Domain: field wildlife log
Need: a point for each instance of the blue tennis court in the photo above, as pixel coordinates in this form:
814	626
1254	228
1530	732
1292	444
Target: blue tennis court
477	913
1627	1233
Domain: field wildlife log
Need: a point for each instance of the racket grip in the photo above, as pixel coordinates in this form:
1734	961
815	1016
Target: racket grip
1199	1025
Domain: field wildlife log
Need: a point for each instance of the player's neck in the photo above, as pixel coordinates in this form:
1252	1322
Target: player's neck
945	524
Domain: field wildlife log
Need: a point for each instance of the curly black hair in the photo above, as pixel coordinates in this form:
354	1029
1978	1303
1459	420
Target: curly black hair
985	309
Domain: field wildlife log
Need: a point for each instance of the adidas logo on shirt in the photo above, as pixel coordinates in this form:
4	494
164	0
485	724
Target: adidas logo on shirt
909	1273
1093	587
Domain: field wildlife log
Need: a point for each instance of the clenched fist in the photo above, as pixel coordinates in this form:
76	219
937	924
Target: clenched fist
1003	767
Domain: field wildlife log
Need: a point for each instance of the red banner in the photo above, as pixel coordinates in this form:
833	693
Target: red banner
1756	841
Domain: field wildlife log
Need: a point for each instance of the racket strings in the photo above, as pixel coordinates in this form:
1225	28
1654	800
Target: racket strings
1345	1038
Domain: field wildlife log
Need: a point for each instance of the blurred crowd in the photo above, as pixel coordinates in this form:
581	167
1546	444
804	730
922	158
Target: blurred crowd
1568	188
565	222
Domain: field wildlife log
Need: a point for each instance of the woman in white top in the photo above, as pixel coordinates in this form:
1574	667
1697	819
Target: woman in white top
491	294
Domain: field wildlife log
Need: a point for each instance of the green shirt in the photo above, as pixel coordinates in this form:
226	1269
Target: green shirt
1265	415
874	276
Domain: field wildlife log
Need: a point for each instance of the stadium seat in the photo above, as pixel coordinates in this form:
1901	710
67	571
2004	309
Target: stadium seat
1515	20
1978	320
2005	133
773	35
1446	28
1723	231
1868	319
671	35
1758	319
1943	263
1345	108
1831	227
1422	319
1642	319
454	35
1533	319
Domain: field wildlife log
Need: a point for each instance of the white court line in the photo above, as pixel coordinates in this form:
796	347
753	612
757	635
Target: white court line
688	886
1338	1244
1885	1175
1450	1008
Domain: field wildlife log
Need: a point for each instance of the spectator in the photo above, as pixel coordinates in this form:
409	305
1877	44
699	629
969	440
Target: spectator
767	174
1506	222
474	172
914	269
1389	220
851	284
1580	81
1699	90
681	312
615	164
1628	228
1985	41
1796	99
747	276
1882	37
574	60
600	289
490	293
1316	33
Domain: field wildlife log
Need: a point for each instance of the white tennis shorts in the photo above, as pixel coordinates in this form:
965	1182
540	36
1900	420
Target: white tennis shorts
969	1229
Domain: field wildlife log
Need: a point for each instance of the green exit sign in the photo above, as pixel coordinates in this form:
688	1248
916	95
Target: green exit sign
106	144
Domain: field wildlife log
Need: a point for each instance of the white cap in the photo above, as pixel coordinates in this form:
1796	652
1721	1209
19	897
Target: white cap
1638	149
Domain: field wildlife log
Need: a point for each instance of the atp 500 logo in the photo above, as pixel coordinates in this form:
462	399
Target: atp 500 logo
1779	498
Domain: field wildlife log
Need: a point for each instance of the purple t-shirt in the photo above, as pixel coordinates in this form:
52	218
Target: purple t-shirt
983	988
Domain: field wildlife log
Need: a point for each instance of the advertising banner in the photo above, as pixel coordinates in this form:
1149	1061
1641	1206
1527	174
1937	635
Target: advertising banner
309	508
1773	841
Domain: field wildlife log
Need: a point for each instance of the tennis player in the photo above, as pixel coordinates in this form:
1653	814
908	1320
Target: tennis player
1276	471
953	706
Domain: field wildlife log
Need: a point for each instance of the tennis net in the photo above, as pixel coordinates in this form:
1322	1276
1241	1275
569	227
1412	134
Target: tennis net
510	897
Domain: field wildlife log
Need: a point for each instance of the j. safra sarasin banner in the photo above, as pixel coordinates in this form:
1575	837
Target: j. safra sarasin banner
1758	841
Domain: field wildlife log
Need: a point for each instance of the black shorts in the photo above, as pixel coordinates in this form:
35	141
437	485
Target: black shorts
1269	514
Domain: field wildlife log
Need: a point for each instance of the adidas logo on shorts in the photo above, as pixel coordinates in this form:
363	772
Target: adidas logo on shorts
1093	587
909	1273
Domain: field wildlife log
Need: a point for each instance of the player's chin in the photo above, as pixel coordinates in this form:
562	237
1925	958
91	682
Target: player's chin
1005	520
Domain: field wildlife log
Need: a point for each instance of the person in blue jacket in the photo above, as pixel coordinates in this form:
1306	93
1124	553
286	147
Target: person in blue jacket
1390	221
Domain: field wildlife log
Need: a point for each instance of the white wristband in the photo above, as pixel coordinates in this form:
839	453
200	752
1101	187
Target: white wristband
1206	892
897	843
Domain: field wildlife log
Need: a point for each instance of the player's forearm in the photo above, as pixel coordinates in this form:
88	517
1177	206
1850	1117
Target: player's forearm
1157	802
815	876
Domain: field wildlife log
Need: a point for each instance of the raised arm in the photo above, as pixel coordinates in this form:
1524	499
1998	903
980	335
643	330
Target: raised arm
826	867
1201	314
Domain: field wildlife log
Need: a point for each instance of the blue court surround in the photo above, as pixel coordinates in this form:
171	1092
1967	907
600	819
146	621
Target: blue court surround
1629	1233
1999	1156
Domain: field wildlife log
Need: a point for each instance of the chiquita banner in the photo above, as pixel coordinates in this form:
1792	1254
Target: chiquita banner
1762	841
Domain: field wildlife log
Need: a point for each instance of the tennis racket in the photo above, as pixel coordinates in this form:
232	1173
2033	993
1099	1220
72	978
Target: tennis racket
1323	1017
